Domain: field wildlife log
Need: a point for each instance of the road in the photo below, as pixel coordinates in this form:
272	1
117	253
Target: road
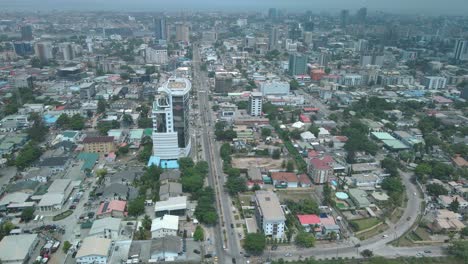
377	244
227	244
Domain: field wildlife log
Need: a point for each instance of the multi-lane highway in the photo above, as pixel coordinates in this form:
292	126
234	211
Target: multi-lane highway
227	244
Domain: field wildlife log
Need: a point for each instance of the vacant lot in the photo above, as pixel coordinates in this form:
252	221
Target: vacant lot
363	224
268	163
294	195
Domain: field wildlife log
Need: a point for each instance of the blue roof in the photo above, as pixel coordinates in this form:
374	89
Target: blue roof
415	93
165	164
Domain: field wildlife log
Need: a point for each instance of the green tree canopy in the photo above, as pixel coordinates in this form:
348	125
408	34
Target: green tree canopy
255	243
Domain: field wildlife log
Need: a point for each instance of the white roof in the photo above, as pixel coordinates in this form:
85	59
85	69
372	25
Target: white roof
14	249
323	131
50	199
165	222
298	124
307	135
106	223
16	197
94	246
59	186
173	203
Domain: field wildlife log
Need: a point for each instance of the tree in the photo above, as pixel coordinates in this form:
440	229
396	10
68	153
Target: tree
235	185
290	166
136	207
422	171
38	130
27	214
454	205
255	243
294	85
304	239
435	189
145	122
202	167
146	222
266	132
367	253
215	108
199	235
77	122
63	121
66	246
101	106
29	153
459	249
127	120
276	154
123	150
185	163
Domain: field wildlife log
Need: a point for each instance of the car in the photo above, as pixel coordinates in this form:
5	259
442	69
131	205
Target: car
233	261
208	256
196	251
385	236
274	247
116	248
409	218
288	255
427	251
357	245
232	225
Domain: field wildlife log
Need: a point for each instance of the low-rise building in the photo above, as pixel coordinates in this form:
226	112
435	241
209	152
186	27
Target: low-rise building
106	228
285	179
321	169
170	189
172	206
94	250
359	197
57	194
18	248
168	225
167	248
446	220
114	208
269	214
99	144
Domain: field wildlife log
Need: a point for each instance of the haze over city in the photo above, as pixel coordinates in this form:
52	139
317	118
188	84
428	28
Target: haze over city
233	132
431	7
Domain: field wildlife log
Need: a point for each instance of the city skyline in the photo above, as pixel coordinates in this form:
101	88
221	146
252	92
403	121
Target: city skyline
431	7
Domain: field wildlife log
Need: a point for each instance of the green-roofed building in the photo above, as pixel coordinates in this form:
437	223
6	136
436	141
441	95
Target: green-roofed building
135	137
394	145
382	136
89	159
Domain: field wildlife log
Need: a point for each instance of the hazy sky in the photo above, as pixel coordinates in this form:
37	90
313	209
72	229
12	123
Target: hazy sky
405	6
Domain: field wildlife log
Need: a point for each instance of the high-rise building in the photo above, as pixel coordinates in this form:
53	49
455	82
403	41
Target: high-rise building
171	136
156	55
464	93
344	18
255	104
23	48
67	51
434	82
295	32
324	58
308	37
297	64
43	51
223	82
273	39
361	15
26	33
272	13
182	32
460	51
209	36
160	29
372	59
309	26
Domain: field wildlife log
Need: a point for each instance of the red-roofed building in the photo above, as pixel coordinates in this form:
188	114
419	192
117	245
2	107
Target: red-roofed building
304	118
114	208
286	179
304	180
310	220
320	169
310	109
441	100
317	74
312	154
